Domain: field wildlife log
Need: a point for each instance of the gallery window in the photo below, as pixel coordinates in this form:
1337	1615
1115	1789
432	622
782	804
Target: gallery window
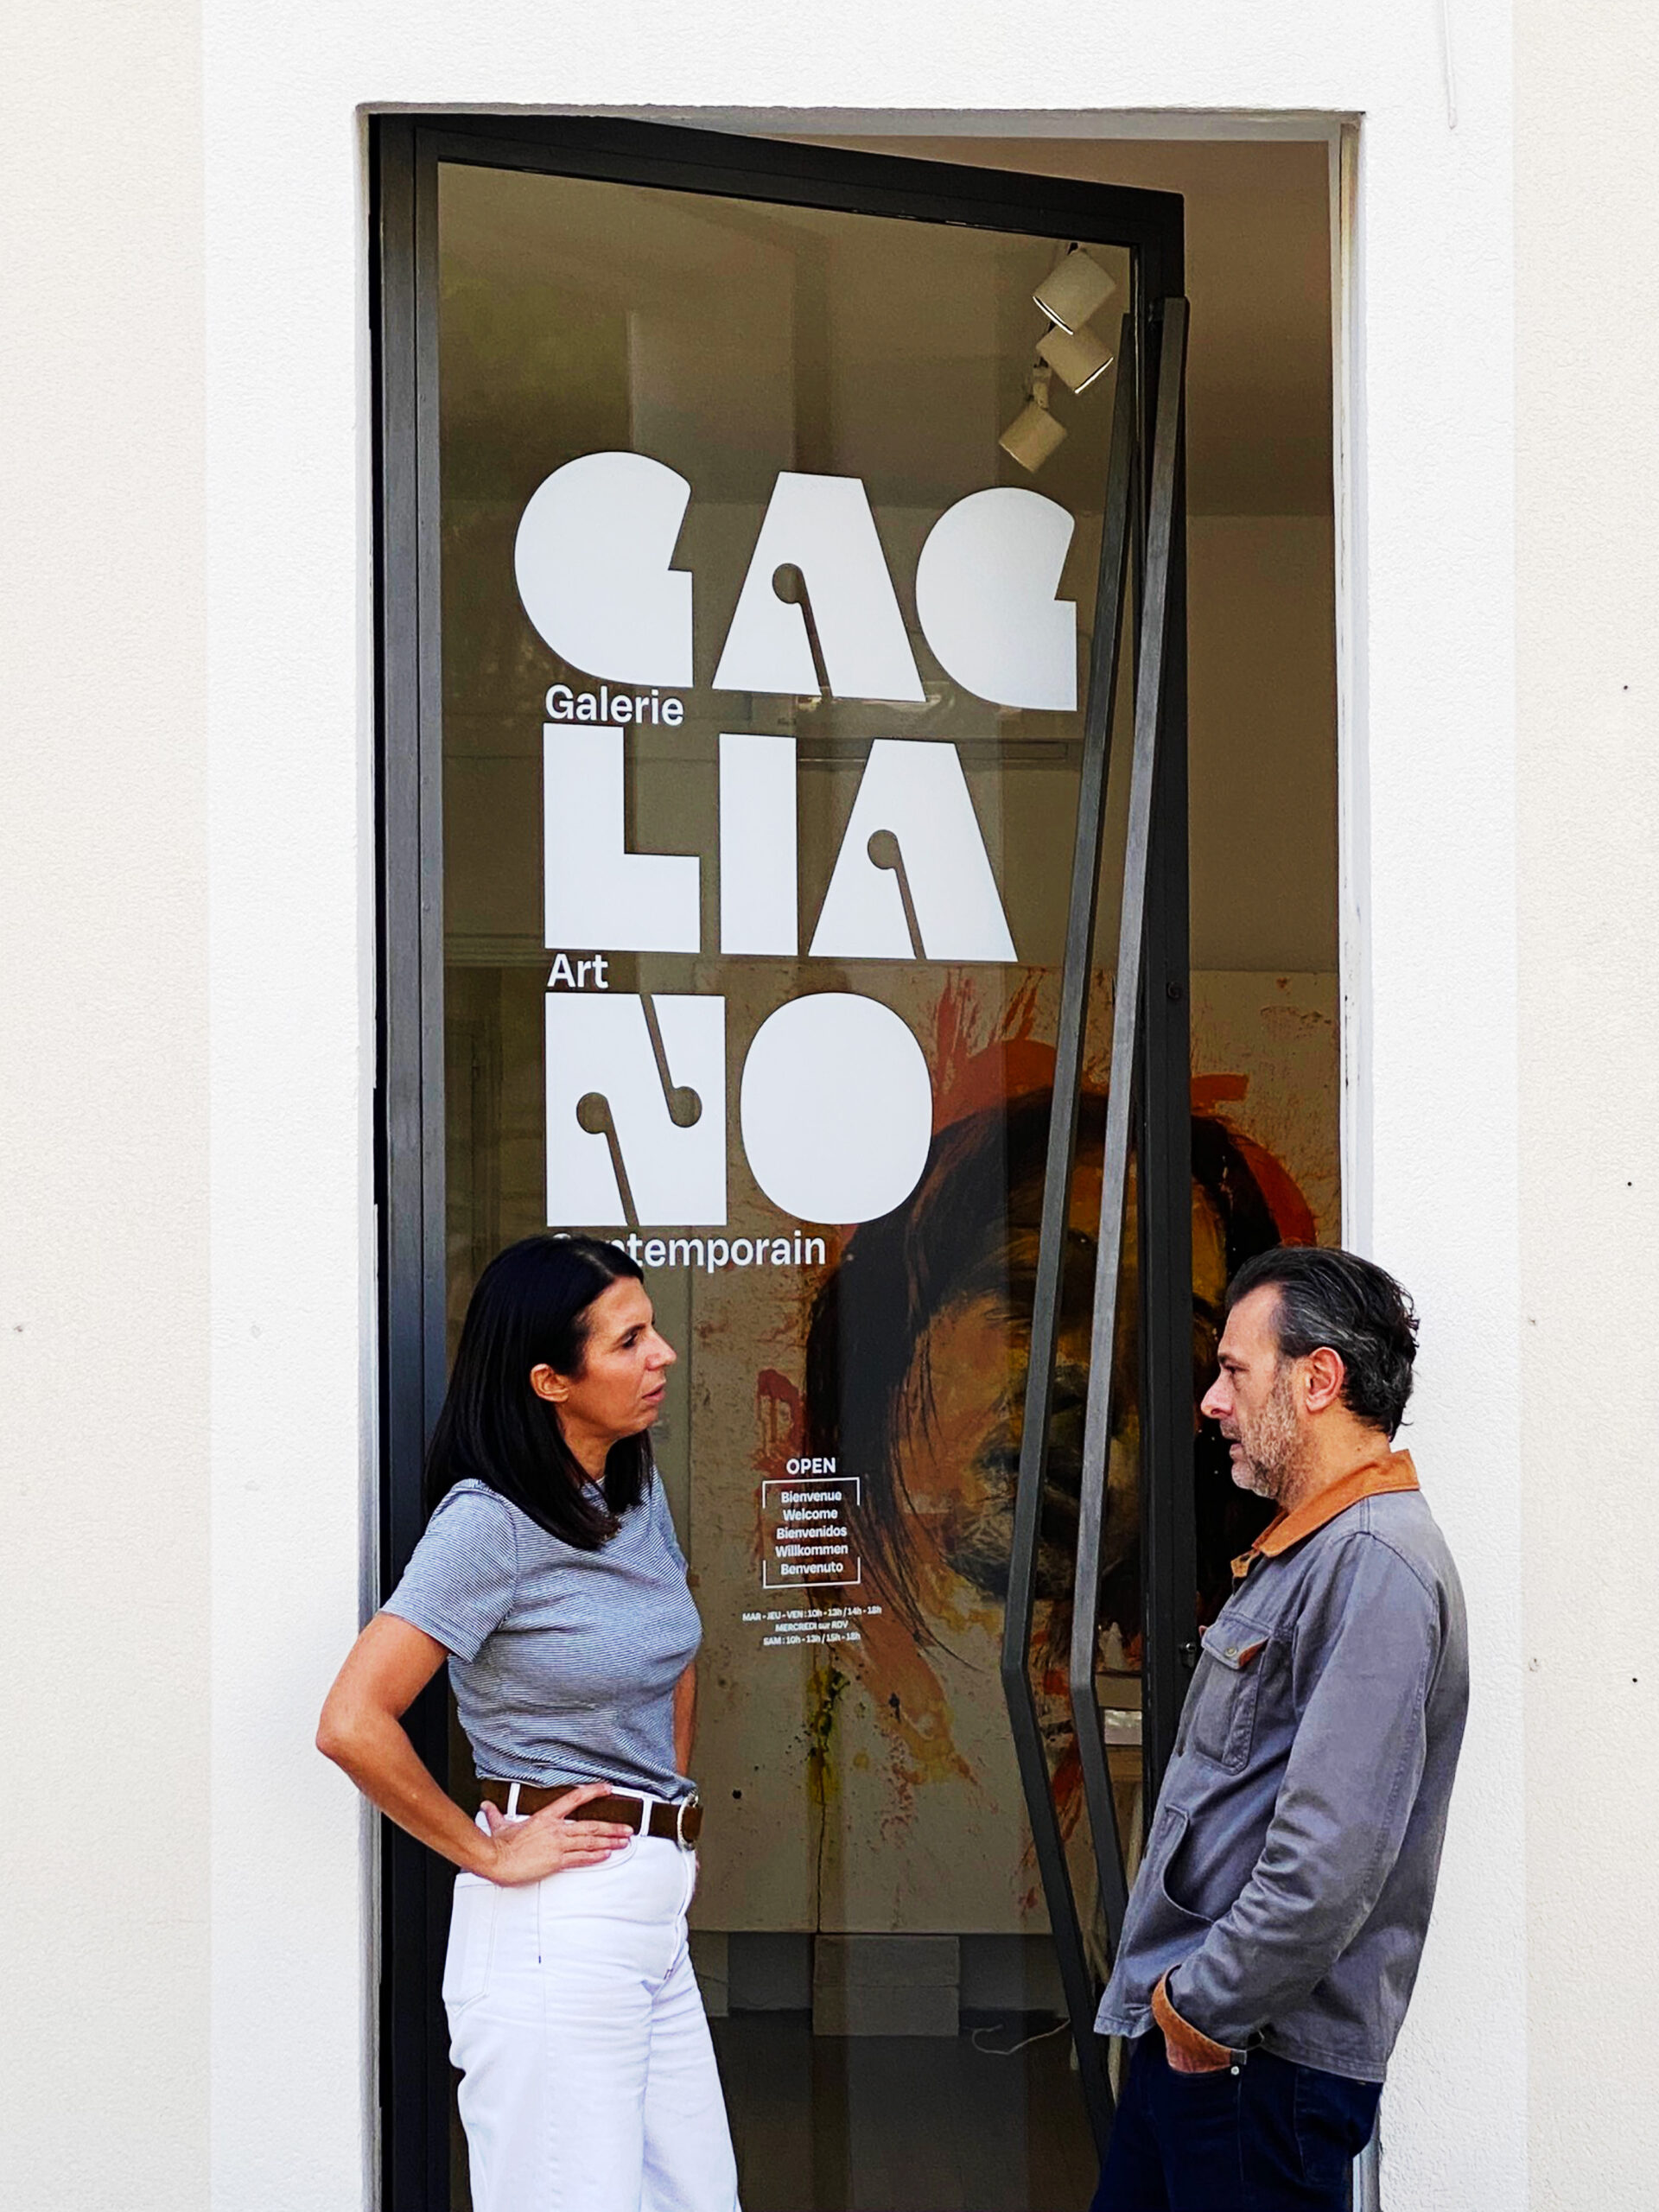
785	823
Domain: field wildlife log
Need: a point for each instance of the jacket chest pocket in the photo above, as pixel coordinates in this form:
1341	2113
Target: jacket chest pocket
1226	1693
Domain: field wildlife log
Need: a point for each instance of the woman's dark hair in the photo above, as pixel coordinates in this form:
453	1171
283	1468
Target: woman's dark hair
1329	1297
529	1306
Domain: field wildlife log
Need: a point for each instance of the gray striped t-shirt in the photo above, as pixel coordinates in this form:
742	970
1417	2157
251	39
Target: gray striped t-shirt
563	1662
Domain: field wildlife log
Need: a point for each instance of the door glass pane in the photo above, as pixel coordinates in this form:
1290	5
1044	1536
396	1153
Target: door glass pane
763	666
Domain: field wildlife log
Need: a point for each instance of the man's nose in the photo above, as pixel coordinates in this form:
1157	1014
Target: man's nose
1216	1405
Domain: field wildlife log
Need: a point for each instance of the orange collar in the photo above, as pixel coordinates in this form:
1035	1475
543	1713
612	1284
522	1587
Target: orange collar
1371	1479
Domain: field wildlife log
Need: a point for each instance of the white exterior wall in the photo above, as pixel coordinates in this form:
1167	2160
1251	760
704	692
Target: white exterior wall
138	182
103	1291
1588	476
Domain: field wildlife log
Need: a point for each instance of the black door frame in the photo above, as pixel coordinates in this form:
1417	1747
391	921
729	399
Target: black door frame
404	153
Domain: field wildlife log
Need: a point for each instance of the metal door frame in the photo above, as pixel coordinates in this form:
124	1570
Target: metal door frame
1145	1119
405	152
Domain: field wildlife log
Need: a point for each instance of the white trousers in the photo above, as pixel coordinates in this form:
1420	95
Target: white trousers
589	2079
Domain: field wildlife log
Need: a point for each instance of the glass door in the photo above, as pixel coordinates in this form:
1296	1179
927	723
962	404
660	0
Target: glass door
783	874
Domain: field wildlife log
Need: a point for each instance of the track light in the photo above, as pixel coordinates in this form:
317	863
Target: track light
1033	434
1073	290
1076	356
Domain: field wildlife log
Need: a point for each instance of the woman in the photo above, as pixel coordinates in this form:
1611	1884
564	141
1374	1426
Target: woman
550	1579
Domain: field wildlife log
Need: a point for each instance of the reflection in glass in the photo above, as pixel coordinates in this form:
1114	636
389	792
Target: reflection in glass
870	1931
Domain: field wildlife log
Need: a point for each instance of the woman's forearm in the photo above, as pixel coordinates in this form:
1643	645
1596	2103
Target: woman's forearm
373	1748
686	1717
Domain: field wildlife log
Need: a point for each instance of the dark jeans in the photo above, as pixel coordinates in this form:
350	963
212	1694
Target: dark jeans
1271	2137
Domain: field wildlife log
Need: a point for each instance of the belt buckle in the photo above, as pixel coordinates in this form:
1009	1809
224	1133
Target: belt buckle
686	1805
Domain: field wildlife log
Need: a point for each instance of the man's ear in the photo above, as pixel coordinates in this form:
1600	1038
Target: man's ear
547	1383
1323	1378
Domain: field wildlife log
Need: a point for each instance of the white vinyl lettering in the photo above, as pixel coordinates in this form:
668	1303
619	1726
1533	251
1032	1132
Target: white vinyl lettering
596	891
758	908
986	593
822	525
836	1108
836	1104
592	562
601	1049
914	790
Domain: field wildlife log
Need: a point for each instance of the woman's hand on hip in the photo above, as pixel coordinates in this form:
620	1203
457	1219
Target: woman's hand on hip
550	1841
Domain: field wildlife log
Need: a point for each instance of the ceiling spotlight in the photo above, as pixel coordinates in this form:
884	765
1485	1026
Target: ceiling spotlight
1033	434
1076	356
1073	290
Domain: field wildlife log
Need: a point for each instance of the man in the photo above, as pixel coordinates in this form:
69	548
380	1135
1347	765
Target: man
1275	1927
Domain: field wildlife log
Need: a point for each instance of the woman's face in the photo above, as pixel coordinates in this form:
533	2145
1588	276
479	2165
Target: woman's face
624	1370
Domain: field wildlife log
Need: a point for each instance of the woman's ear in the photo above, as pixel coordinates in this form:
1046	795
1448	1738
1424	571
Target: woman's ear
548	1384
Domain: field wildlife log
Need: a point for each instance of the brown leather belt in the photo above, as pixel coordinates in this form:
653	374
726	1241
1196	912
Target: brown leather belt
680	1823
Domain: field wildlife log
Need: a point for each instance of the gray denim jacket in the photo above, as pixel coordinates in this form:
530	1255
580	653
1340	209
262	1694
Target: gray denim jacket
1288	1877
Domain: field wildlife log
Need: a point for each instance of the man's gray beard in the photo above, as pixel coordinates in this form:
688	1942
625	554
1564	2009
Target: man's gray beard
1257	1479
1270	1479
